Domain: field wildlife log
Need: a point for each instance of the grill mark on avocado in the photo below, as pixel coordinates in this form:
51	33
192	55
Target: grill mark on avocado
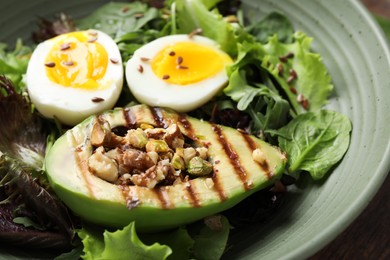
83	167
163	197
158	117
187	126
232	155
131	119
194	201
217	186
252	145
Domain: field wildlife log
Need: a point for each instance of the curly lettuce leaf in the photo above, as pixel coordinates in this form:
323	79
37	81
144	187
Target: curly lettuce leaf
178	240
315	141
313	81
192	14
120	244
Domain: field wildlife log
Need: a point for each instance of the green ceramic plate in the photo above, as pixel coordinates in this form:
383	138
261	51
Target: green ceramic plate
357	55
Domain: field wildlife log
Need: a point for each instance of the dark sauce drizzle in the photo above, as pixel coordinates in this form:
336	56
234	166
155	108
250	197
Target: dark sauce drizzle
130	118
252	145
158	117
234	159
194	199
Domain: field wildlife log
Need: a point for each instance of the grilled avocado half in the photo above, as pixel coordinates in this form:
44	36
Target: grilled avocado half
241	165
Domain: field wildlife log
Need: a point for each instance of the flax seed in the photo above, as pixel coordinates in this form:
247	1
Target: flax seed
50	64
97	99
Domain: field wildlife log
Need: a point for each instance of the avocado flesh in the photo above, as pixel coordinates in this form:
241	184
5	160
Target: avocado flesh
235	174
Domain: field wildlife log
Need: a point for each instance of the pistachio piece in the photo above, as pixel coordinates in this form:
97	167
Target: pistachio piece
158	146
178	162
199	167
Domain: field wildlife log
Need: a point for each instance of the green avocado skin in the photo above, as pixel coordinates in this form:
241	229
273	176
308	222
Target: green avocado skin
110	205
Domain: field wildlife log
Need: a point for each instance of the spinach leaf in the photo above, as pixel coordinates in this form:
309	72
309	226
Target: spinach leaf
117	19
315	141
210	242
273	23
266	107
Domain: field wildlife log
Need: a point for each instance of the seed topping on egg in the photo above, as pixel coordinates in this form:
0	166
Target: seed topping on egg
178	71
50	64
144	59
69	74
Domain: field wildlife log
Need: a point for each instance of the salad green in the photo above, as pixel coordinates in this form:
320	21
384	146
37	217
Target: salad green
277	84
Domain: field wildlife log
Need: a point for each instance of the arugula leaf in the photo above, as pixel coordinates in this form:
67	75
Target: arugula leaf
117	19
253	100
315	141
13	64
120	244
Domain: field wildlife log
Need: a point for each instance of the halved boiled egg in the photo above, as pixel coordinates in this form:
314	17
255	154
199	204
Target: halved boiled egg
181	72
74	75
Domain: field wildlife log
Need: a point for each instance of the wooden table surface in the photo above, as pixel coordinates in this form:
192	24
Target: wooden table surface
368	237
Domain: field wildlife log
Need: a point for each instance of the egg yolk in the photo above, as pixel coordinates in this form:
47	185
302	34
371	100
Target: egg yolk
77	60
188	62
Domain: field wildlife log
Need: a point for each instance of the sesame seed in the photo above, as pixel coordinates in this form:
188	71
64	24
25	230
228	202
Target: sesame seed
290	79
300	97
50	64
197	31
68	63
165	77
93	39
114	60
97	99
144	59
172	53
65	46
92	33
139	15
140	68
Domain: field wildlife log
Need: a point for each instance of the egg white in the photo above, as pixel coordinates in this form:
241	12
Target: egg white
72	105
148	88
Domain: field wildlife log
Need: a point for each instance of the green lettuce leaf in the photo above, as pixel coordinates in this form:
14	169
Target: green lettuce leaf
120	244
178	240
315	141
13	64
193	14
313	81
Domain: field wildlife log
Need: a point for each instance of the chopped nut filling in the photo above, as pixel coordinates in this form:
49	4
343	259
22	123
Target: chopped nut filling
146	156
